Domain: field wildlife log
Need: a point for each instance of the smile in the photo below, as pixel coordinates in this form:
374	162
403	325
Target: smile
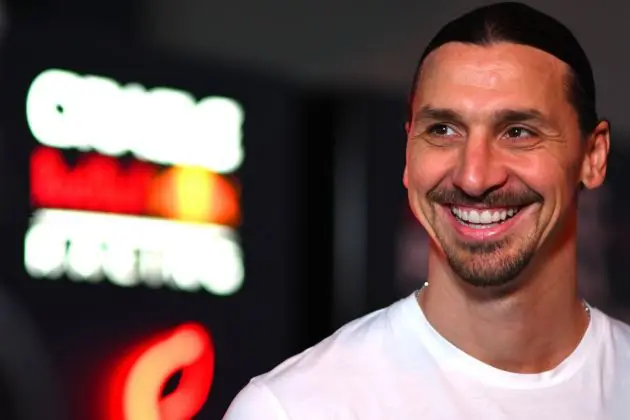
479	224
483	218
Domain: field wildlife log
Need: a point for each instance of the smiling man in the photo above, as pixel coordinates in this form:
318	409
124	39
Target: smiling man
502	137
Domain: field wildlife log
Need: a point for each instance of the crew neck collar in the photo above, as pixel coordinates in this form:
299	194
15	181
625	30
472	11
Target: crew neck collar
451	357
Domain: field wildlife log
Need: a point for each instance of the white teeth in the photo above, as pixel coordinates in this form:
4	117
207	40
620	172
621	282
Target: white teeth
486	217
483	217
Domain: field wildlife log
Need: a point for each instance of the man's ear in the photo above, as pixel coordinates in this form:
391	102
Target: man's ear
595	160
405	173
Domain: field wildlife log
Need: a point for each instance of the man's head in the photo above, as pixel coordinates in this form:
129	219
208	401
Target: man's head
502	133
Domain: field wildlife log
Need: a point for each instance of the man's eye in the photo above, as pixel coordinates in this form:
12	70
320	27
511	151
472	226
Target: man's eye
441	130
518	133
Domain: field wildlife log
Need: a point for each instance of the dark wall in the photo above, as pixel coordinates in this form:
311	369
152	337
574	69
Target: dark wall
118	17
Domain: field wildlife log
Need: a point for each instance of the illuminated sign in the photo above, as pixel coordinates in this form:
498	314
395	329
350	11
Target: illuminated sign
166	217
138	384
101	183
163	125
128	251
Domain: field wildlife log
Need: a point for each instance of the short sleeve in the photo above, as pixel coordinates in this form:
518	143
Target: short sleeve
255	402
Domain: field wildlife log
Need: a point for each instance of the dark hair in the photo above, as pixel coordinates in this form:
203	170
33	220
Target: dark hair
521	24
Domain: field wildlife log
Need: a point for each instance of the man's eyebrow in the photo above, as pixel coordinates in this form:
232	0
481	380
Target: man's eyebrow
503	116
507	116
428	113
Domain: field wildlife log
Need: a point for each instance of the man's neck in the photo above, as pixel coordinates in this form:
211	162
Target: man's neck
530	329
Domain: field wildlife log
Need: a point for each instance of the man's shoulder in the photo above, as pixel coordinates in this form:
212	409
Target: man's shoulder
355	349
614	334
322	375
617	331
355	341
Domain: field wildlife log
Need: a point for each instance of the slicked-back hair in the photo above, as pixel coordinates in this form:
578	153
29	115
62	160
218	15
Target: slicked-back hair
518	23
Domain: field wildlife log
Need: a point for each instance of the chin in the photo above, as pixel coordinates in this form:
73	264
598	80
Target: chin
494	268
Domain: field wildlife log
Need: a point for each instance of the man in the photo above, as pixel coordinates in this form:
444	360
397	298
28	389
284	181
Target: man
502	136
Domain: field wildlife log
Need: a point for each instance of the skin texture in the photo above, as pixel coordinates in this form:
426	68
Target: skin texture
493	129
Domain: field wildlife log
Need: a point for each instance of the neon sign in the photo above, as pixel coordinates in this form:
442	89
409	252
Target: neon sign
163	125
130	251
136	389
101	183
138	222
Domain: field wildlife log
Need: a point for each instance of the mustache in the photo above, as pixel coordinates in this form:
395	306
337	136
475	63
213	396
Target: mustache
494	198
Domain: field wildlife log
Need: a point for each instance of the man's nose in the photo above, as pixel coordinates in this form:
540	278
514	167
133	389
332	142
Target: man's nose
479	167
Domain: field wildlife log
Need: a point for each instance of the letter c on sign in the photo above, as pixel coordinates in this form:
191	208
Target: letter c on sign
137	391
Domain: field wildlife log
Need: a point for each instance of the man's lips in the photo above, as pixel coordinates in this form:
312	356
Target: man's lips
482	223
483	216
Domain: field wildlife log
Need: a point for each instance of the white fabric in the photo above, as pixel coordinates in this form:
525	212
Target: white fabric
391	364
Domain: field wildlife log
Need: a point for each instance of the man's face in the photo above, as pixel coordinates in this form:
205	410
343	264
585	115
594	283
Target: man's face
495	157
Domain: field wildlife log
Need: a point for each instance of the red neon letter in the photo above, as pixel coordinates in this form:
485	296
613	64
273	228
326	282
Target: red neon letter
138	392
96	183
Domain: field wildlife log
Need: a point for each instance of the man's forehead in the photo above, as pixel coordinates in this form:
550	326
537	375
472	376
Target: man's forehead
499	75
488	65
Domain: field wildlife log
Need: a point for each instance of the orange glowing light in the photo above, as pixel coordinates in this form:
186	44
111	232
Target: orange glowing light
102	183
136	391
195	195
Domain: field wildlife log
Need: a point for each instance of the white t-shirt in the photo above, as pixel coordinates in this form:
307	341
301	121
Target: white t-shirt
391	364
